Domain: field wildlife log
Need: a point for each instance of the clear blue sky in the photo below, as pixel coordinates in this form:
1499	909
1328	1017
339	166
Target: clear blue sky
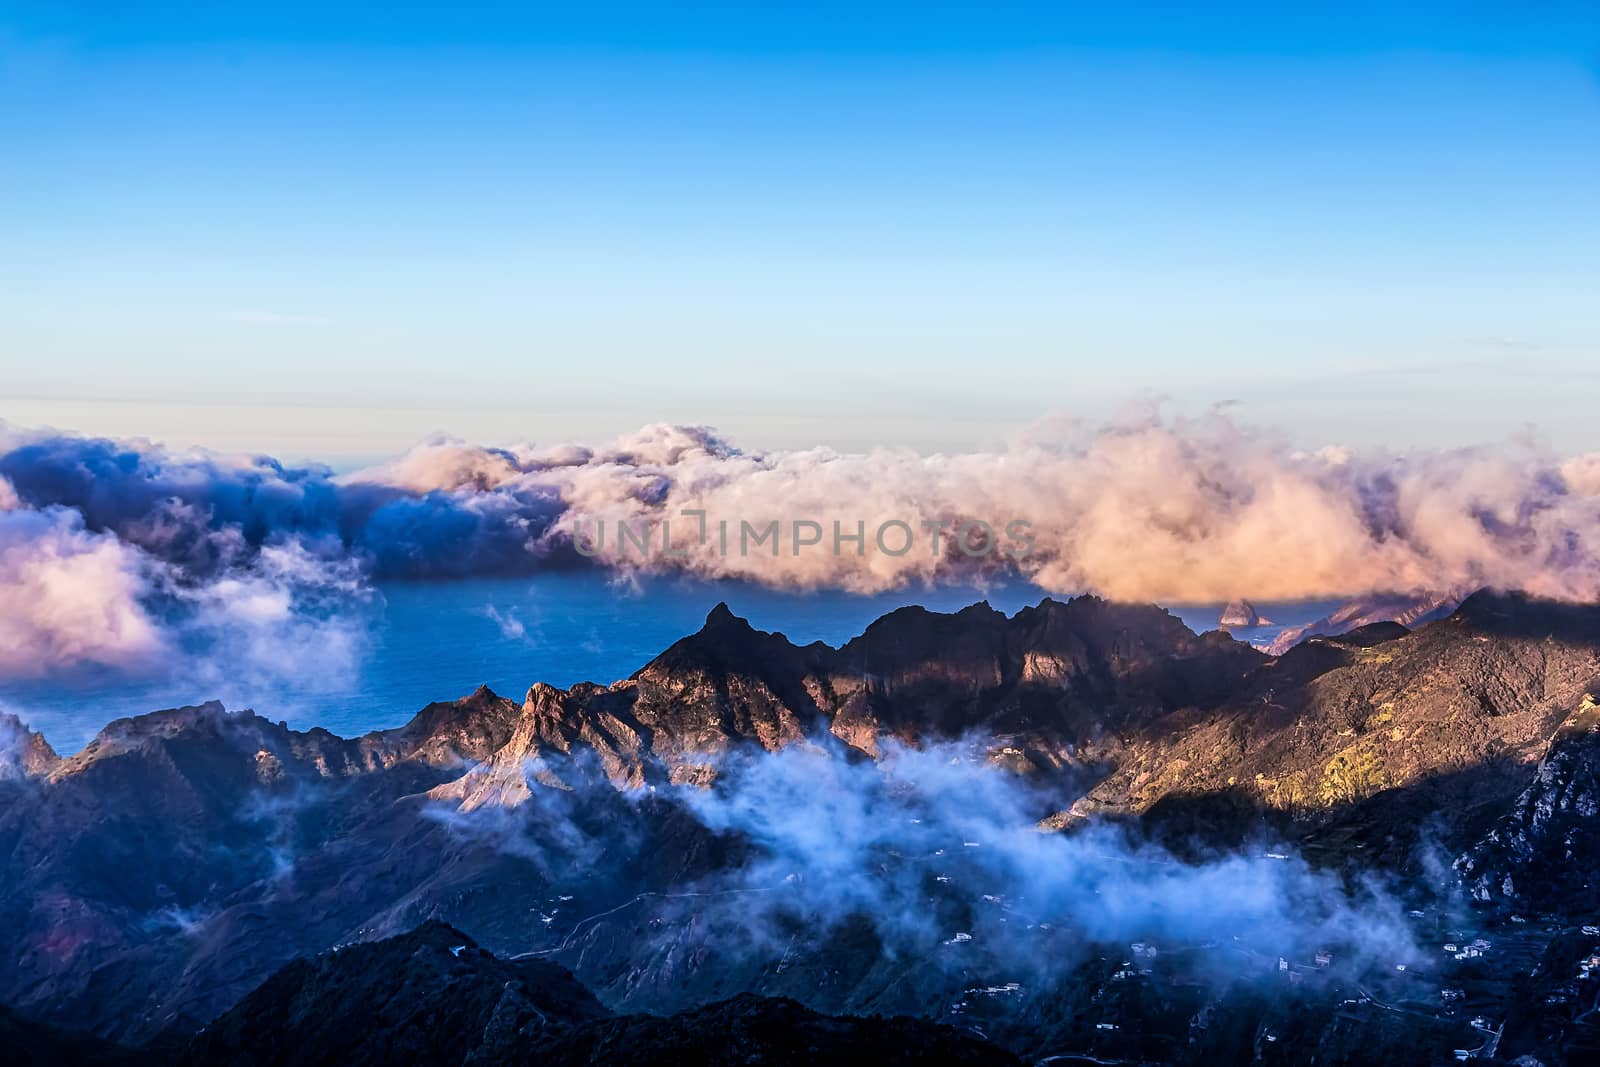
328	230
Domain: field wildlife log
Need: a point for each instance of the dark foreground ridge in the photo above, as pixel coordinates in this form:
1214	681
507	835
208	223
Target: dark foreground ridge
432	996
644	872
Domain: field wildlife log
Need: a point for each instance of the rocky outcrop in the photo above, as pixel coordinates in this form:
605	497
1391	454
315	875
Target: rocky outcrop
1545	853
1241	615
23	753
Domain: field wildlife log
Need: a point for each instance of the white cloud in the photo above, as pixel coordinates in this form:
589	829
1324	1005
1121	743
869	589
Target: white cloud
71	596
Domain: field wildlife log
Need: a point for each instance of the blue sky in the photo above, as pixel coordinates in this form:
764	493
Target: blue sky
331	229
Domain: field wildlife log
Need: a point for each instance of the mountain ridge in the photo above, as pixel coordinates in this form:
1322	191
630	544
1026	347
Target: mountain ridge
183	856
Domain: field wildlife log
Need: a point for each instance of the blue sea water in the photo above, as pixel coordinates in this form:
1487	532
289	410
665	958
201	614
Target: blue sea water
427	641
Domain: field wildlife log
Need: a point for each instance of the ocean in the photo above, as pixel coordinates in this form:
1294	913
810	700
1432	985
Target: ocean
426	641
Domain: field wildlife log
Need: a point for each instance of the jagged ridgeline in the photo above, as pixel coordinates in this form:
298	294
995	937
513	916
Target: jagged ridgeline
1079	830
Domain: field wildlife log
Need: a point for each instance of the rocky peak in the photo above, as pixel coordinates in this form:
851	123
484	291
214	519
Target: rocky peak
727	682
207	743
541	697
722	616
1241	614
725	644
452	732
23	752
913	644
139	732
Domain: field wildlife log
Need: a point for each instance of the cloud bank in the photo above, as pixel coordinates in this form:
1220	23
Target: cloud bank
70	595
103	540
126	559
872	837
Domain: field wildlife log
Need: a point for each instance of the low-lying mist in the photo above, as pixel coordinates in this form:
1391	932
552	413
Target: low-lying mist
926	867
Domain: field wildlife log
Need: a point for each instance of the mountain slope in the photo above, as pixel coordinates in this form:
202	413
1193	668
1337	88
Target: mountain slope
432	996
157	877
1375	729
1545	852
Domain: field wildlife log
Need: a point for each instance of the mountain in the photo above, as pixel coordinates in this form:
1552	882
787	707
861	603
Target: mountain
1241	615
1372	738
1054	682
23	753
744	829
429	996
433	996
1545	852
